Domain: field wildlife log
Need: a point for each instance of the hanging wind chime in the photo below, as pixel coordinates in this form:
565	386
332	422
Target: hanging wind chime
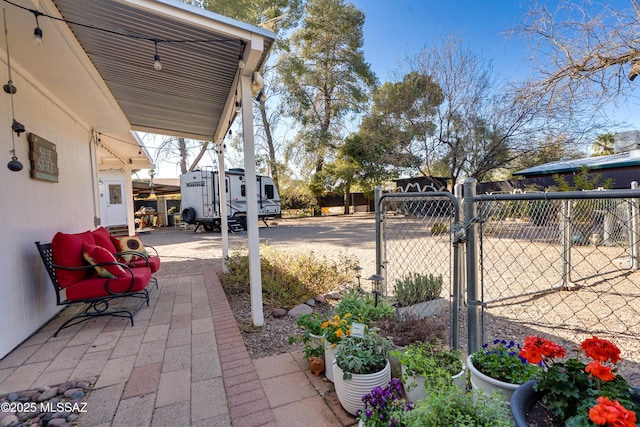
17	127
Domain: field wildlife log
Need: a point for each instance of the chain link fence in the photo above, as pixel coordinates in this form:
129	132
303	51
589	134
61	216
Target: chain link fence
564	268
560	265
417	253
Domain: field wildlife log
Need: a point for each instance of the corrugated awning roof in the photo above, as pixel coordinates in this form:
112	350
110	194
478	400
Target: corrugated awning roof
619	160
102	70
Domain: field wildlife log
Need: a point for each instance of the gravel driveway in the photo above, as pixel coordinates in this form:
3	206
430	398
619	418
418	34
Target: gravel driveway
185	251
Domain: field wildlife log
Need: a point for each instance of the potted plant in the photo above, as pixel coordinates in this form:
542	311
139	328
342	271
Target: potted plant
383	406
333	331
499	367
584	390
311	334
404	331
448	406
427	364
361	365
419	295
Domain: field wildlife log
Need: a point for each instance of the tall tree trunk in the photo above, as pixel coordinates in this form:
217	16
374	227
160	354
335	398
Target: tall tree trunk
273	163
182	147
347	199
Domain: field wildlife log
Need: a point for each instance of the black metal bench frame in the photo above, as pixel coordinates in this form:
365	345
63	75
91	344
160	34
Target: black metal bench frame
95	306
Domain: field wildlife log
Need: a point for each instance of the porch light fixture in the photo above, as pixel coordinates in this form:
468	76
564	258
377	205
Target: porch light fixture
241	62
37	32
156	58
238	107
17	127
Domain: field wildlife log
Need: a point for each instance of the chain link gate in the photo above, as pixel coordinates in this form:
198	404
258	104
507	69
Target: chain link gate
561	265
418	239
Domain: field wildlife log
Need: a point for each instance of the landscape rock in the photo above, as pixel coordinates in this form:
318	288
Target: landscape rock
278	312
311	302
333	295
320	299
299	310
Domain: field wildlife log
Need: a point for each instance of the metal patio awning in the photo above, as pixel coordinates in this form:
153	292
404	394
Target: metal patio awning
97	58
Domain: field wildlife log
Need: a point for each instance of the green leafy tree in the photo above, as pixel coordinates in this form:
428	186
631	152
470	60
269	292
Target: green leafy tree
401	113
325	75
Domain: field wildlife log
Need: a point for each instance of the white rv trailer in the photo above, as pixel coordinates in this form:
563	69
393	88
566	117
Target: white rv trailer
200	196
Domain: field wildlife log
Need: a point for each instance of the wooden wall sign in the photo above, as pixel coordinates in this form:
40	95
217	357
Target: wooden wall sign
44	159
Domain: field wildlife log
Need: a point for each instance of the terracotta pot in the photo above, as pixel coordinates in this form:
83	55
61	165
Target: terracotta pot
350	392
487	384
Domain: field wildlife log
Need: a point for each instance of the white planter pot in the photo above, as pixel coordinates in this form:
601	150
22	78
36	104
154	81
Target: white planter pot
350	392
414	384
329	360
488	385
422	309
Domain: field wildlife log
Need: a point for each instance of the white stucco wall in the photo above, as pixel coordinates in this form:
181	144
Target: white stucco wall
34	210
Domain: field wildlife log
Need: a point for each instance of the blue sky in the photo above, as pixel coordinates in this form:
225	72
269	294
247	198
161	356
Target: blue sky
395	29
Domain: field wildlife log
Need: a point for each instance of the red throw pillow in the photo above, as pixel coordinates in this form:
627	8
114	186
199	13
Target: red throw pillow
98	255
67	252
129	243
103	238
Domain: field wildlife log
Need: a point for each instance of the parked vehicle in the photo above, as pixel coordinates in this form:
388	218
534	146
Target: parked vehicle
201	199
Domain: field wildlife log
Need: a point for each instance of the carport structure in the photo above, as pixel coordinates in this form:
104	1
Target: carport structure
100	58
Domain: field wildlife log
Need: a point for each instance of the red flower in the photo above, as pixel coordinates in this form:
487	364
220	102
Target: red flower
601	350
598	370
611	413
535	348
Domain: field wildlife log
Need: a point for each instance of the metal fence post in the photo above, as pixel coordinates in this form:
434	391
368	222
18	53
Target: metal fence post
565	232
473	285
459	238
377	192
634	229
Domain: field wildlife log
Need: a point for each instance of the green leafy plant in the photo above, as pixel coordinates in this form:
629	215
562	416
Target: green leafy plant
502	361
431	360
415	287
579	393
447	406
363	308
311	327
366	355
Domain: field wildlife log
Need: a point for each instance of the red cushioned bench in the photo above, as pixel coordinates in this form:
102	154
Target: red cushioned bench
94	268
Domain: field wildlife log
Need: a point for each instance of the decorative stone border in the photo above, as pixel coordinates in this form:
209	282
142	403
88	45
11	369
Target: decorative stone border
55	406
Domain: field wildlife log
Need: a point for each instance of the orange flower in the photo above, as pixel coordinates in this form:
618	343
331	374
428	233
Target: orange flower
601	350
598	370
339	333
611	413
